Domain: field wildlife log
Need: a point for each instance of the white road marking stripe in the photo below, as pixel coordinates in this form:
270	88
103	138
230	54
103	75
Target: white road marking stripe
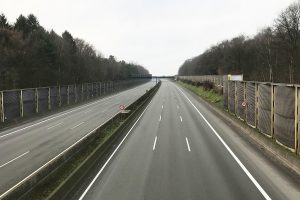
88	111
162	106
103	167
77	125
177	107
262	191
41	122
180	118
187	143
159	118
154	143
14	159
54	126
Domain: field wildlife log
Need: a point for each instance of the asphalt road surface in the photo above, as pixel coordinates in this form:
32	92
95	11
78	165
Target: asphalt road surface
179	149
26	148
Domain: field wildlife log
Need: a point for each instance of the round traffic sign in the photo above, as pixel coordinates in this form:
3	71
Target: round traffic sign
244	104
122	107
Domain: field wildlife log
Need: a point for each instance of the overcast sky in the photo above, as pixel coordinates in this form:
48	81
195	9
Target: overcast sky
158	34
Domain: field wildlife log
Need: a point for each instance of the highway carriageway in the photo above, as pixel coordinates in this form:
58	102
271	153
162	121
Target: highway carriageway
179	149
26	148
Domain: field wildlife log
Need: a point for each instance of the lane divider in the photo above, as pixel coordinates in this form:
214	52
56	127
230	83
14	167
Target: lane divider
257	185
154	143
187	143
14	159
77	125
180	118
54	126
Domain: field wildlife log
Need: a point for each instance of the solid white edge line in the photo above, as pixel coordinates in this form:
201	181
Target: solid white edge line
77	125
14	159
103	167
65	113
54	125
187	143
154	144
258	186
36	171
180	118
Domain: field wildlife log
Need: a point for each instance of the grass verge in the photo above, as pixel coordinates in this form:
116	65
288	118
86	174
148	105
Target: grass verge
209	95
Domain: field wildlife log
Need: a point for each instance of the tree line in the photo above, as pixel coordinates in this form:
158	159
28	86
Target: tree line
31	56
272	55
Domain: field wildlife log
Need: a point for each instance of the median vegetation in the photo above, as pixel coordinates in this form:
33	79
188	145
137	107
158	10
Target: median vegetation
206	91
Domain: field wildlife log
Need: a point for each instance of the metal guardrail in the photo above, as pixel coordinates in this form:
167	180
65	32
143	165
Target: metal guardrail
17	104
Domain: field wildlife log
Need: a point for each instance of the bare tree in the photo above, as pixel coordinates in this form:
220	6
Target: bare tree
287	26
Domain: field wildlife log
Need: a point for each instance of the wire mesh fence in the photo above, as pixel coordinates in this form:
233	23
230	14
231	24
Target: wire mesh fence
16	104
269	107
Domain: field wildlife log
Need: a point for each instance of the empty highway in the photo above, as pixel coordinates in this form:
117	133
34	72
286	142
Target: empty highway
179	149
27	147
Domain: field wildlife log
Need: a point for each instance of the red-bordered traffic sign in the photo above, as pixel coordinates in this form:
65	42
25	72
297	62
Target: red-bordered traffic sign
122	107
244	104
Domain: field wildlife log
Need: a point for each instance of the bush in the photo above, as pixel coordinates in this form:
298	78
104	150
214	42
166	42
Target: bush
207	85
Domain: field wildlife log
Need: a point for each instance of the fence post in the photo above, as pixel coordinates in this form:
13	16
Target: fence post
1	107
49	98
59	97
256	104
246	106
272	110
68	94
81	92
296	120
235	97
36	100
75	93
100	89
21	104
92	90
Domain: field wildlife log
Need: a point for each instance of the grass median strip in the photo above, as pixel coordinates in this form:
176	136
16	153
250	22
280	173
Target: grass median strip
208	95
43	190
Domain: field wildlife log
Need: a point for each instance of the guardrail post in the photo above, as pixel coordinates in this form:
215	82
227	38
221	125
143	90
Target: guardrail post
1	107
36	100
49	98
21	104
272	110
296	120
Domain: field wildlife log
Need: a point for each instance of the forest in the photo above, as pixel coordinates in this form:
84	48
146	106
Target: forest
31	56
272	55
